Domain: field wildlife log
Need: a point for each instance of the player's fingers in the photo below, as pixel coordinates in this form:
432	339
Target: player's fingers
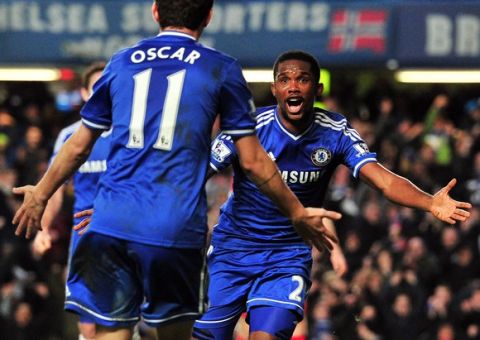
83	223
458	217
83	231
462	212
31	228
318	245
333	215
449	220
21	190
18	215
330	235
22	224
326	243
321	212
83	213
464	205
450	185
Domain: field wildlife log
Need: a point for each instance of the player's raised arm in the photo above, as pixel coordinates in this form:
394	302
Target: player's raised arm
402	191
264	173
70	157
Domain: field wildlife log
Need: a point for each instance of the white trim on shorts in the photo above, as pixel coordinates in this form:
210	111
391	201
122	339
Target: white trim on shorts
277	301
169	318
136	318
216	321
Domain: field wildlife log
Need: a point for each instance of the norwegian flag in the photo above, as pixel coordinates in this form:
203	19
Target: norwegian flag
356	30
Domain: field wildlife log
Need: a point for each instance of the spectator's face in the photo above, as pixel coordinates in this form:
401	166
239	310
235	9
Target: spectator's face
385	260
445	332
443	293
416	247
402	306
87	92
33	136
372	213
23	314
449	238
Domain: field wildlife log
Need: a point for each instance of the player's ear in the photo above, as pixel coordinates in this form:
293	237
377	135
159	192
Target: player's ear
155	15
319	91
84	93
273	89
209	17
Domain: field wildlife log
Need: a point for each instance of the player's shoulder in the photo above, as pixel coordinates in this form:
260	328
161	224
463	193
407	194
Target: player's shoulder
214	53
264	116
329	115
263	111
330	119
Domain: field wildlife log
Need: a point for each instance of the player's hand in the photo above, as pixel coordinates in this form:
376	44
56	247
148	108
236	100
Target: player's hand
338	261
447	209
41	243
29	215
310	227
82	227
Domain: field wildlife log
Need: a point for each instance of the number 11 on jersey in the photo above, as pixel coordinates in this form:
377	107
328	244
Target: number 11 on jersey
169	112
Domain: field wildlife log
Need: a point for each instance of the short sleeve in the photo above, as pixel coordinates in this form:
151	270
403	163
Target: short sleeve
236	104
355	150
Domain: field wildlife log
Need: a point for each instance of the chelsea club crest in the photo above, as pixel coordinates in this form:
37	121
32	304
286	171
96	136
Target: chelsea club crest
321	157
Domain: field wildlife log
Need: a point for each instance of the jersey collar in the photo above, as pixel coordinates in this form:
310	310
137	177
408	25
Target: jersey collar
175	34
288	133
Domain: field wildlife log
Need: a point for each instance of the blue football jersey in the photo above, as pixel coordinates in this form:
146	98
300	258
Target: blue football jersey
162	96
86	178
250	220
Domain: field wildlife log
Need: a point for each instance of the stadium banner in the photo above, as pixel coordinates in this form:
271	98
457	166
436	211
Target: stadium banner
339	33
439	35
255	32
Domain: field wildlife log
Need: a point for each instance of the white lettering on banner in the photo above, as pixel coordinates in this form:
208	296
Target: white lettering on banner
97	48
272	16
468	35
3	17
138	18
459	36
31	16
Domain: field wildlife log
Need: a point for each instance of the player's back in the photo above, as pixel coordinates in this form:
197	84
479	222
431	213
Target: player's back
163	95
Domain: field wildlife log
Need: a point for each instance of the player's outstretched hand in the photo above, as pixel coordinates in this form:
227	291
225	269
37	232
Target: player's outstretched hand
447	209
83	225
310	227
29	215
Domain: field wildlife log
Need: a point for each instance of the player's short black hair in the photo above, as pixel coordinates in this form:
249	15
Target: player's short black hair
298	55
93	68
183	13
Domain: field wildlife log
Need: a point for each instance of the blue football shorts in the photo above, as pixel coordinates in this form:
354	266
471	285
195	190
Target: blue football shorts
113	282
242	279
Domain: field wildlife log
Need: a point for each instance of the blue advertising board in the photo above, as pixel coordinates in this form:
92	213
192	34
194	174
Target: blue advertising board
360	33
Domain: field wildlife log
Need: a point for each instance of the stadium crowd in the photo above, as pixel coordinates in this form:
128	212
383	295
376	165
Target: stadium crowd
410	277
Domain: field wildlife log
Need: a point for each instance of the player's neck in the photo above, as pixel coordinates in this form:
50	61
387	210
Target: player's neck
194	33
296	127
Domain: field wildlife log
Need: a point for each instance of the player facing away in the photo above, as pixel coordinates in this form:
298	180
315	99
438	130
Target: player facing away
257	262
84	183
142	255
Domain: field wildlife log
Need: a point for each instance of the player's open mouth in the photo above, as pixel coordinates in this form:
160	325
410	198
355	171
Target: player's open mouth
294	104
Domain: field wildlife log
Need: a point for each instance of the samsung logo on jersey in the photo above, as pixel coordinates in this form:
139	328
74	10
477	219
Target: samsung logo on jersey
300	176
93	166
165	52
